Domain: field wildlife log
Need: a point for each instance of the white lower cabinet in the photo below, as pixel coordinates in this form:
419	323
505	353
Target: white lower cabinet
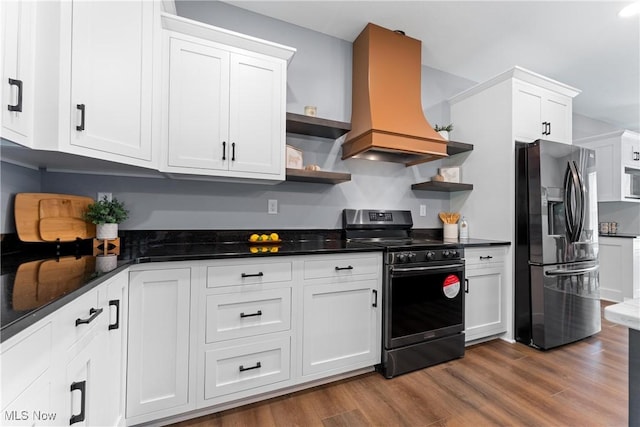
619	268
484	302
158	376
339	321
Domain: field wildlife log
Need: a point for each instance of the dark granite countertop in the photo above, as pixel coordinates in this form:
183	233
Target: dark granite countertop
622	235
69	270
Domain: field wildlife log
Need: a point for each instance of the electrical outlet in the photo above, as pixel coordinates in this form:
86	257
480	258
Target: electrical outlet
273	206
103	195
423	210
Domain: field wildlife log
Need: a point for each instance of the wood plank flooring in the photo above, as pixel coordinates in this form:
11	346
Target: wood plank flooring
494	384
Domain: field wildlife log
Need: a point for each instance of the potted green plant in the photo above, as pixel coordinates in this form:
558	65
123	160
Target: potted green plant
444	130
106	214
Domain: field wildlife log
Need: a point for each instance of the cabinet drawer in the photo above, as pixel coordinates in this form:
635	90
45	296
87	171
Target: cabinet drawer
85	308
484	256
244	314
245	367
248	274
341	267
24	362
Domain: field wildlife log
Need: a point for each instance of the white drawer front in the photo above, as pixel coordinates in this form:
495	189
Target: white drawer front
245	367
244	314
341	267
483	256
248	274
84	308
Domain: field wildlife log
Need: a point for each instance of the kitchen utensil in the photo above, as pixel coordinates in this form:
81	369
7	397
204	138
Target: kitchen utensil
42	217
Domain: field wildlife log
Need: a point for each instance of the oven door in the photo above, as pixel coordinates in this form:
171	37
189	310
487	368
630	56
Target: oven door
423	302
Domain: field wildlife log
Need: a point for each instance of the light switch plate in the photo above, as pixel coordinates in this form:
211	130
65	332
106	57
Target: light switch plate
423	210
273	207
101	196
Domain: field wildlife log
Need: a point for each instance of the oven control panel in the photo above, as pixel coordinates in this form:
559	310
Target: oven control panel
421	256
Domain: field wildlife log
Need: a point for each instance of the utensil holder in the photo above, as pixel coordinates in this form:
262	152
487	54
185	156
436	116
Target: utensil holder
451	231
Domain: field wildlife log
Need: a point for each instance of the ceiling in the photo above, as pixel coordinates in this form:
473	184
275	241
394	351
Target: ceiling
580	43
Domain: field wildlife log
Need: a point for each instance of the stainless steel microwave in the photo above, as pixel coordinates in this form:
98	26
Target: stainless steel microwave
632	183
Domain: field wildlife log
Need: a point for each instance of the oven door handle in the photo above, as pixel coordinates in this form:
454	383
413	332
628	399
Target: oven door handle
419	269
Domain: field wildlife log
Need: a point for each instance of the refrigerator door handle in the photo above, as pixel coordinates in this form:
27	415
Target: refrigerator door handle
568	206
581	191
570	272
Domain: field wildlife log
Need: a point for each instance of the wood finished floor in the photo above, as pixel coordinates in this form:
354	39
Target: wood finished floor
494	384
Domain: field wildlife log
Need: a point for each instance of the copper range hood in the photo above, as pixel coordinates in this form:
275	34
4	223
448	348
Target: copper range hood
387	122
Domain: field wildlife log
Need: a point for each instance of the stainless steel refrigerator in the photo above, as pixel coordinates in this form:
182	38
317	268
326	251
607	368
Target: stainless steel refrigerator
557	292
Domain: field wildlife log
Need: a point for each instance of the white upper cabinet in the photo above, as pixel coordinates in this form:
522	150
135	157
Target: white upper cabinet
615	152
224	103
111	79
539	113
18	35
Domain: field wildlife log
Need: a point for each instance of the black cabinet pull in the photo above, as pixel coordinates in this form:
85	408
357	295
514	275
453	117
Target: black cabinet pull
93	312
81	386
257	313
115	303
549	128
18	106
375	298
224	150
258	274
256	366
636	155
544	128
486	257
466	286
349	267
233	151
82	111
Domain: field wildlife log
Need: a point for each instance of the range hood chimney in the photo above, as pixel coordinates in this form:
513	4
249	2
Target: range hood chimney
387	122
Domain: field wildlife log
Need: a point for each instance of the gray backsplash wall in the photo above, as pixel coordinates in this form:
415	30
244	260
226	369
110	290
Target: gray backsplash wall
626	214
15	179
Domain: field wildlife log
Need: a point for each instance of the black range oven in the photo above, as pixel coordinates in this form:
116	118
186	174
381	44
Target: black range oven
423	291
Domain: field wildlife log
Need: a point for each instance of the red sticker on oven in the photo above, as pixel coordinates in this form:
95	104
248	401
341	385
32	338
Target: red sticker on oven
451	286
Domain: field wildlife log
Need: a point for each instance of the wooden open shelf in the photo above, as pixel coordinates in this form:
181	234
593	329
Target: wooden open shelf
321	177
455	147
447	187
315	126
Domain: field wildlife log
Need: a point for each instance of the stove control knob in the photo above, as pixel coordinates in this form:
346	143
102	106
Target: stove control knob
411	257
453	253
445	254
430	255
401	258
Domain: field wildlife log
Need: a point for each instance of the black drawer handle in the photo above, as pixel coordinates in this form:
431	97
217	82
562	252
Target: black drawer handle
258	274
466	286
256	366
349	267
115	303
375	298
79	386
93	312
82	111
486	257
257	313
224	150
18	106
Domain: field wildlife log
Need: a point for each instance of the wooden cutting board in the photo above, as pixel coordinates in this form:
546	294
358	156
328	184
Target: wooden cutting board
46	217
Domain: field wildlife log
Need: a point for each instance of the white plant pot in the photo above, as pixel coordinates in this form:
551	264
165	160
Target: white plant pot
106	231
444	134
105	263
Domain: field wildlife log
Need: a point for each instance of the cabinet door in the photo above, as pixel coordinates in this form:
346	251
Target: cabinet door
198	107
117	293
341	326
87	382
527	113
111	83
158	345
257	117
557	111
630	153
483	304
17	70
